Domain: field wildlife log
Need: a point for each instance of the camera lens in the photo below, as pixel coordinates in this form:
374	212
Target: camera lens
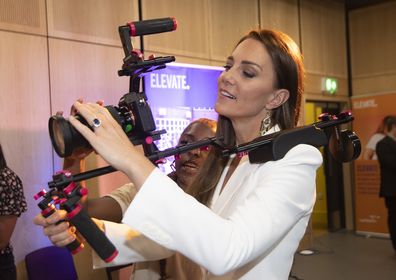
58	136
64	137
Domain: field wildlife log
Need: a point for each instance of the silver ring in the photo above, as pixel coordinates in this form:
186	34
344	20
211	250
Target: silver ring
96	122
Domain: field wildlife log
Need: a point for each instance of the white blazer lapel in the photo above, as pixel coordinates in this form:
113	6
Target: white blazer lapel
235	183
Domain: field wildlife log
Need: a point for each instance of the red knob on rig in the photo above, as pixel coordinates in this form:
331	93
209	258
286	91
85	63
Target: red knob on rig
39	194
325	117
345	114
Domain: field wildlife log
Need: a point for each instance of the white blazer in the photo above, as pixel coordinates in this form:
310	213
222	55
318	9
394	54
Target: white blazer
251	230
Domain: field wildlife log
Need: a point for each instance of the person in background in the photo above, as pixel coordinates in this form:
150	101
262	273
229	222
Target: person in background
369	152
12	205
237	220
111	207
386	152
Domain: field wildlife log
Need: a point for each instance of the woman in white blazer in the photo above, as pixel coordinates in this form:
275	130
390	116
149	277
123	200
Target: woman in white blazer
237	220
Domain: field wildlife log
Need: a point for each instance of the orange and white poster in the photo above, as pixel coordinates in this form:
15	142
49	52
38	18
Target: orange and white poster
370	211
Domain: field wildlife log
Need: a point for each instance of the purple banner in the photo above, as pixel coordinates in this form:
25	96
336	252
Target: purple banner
179	94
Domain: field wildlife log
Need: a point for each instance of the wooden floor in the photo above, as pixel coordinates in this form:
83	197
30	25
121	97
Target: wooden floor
344	255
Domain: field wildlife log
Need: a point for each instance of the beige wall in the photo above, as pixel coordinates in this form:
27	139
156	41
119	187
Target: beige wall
208	35
55	51
324	45
373	45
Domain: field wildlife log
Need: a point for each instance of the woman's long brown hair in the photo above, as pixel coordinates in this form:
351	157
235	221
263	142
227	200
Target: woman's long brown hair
289	74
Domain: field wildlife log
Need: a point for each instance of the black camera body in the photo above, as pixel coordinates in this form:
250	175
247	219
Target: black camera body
134	116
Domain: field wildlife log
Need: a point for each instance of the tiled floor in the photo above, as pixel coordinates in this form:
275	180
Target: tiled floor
344	255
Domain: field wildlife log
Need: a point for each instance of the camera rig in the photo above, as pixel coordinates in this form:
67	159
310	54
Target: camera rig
64	191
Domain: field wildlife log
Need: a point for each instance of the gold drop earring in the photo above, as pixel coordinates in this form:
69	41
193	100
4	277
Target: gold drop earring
265	123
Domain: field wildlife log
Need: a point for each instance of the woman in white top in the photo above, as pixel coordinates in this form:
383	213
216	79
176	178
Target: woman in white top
237	220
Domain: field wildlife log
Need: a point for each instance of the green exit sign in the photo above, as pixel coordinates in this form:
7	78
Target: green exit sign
329	85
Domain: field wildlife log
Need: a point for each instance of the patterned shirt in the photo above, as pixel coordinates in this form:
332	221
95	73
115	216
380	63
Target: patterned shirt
12	199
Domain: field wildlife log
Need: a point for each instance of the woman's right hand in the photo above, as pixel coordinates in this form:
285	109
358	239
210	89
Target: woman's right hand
110	141
59	231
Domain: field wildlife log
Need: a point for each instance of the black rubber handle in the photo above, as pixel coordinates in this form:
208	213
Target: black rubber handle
152	26
92	234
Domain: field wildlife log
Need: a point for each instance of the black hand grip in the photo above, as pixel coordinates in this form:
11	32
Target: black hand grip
152	26
92	234
74	247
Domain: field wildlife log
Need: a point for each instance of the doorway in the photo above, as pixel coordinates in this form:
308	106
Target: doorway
329	210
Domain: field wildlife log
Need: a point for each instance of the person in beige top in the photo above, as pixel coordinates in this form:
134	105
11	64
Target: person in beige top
112	207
